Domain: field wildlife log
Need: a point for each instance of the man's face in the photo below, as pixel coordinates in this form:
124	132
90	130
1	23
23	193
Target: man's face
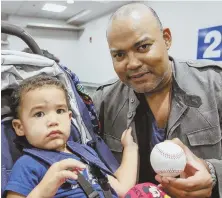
44	118
139	51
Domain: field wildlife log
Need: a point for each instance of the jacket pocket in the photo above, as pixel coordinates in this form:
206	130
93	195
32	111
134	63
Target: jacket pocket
206	143
208	136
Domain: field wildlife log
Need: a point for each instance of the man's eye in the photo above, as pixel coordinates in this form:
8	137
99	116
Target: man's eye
60	111
144	48
119	56
39	114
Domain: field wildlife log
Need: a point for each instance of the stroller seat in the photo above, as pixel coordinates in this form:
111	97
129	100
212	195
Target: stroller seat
17	66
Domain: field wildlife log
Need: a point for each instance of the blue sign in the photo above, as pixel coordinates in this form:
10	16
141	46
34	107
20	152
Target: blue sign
210	43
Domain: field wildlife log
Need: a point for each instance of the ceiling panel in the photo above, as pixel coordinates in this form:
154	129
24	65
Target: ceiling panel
30	8
34	9
10	7
52	15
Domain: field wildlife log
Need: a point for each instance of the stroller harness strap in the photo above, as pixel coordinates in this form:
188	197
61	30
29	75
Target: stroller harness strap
86	186
80	152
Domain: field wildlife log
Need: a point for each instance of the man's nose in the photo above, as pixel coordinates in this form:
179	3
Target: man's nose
133	61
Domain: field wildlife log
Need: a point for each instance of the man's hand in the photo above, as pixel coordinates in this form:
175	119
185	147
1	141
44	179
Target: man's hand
127	140
56	175
195	181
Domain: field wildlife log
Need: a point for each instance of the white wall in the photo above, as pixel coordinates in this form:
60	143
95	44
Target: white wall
63	44
95	60
92	61
183	18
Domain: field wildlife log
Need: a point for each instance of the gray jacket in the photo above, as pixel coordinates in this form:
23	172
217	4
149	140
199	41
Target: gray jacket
196	113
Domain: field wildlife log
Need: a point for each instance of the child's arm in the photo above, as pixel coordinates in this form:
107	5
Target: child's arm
53	179
126	174
11	194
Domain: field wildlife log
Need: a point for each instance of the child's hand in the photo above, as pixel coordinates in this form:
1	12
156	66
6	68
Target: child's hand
127	139
57	174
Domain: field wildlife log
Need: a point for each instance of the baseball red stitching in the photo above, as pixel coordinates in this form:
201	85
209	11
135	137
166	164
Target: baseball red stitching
170	156
168	171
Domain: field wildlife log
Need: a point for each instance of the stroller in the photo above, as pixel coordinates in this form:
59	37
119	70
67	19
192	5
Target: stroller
17	66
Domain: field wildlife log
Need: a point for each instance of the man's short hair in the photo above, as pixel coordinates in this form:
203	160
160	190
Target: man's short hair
126	10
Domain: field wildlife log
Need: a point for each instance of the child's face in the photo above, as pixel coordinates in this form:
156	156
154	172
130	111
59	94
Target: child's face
44	118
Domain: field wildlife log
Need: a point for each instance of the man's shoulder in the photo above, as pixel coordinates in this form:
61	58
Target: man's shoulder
110	91
192	73
203	64
112	86
110	83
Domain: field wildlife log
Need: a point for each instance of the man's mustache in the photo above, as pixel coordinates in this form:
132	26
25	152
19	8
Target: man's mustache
138	71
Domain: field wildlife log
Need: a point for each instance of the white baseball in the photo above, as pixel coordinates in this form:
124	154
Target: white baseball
168	159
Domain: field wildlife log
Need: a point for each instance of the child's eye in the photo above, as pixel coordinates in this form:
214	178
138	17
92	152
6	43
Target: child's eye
39	114
60	111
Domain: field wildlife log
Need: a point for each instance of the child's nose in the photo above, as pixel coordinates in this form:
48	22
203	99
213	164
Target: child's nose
50	124
52	121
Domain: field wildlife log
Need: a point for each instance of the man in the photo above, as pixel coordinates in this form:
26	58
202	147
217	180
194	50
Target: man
162	99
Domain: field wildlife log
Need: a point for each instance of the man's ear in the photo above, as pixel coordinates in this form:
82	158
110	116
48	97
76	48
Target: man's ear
17	125
167	37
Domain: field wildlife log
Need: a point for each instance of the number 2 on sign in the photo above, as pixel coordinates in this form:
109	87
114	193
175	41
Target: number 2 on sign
210	43
211	51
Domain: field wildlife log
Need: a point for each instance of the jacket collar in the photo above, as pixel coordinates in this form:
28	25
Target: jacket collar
181	100
179	93
180	72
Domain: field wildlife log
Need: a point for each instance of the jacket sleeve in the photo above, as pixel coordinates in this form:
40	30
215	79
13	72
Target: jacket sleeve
218	169
218	163
98	100
100	93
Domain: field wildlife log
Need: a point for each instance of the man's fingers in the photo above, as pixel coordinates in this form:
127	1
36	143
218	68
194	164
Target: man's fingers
161	179
158	178
160	187
181	193
201	193
190	170
189	154
189	184
70	164
178	142
191	158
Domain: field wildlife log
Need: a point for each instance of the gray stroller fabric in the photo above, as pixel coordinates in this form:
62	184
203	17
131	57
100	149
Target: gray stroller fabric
17	66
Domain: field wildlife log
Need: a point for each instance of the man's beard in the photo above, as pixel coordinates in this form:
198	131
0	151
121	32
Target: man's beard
146	87
159	84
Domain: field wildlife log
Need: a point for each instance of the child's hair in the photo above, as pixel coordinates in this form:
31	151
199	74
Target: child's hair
33	83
